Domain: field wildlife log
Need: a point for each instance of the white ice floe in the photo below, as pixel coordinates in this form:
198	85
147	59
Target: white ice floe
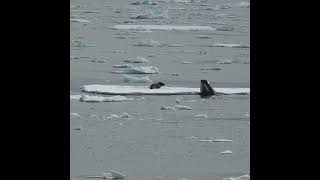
74	115
79	20
180	107
139	70
111	175
224	62
186	62
230	45
226	152
165	90
137	60
125	115
215	140
243	4
135	79
243	177
151	13
178	100
149	43
202	115
75	97
93	99
164	27
167	108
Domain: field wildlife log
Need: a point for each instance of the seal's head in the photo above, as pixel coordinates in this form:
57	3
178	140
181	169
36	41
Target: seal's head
161	83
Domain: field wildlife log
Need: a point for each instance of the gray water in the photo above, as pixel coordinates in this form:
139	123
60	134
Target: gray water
153	143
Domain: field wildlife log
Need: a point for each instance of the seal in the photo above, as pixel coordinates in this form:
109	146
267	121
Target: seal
206	90
157	85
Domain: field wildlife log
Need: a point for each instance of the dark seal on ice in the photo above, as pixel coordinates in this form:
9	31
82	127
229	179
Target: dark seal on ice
206	90
156	86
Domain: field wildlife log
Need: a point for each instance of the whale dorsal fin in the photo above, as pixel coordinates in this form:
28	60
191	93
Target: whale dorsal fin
206	90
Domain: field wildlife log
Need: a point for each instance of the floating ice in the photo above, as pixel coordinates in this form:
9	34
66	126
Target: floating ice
79	20
202	115
143	79
243	177
224	62
164	27
93	99
178	100
180	107
112	175
137	60
230	45
223	6
165	90
226	152
186	62
123	66
74	115
75	97
124	115
149	43
151	13
244	4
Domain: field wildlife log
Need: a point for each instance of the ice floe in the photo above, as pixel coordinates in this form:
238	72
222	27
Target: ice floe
79	20
135	79
93	99
164	27
202	116
111	175
226	152
139	70
74	115
137	60
186	62
180	107
230	45
149	43
243	177
145	2
151	13
75	97
165	90
243	4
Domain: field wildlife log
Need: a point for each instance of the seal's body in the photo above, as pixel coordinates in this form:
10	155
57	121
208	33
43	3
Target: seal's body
206	90
157	85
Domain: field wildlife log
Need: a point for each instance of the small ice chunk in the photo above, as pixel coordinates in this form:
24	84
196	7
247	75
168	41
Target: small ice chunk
137	60
167	108
180	107
79	20
143	79
226	152
93	99
124	115
186	62
74	114
143	70
244	4
202	115
243	177
149	43
224	62
230	45
75	97
123	66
